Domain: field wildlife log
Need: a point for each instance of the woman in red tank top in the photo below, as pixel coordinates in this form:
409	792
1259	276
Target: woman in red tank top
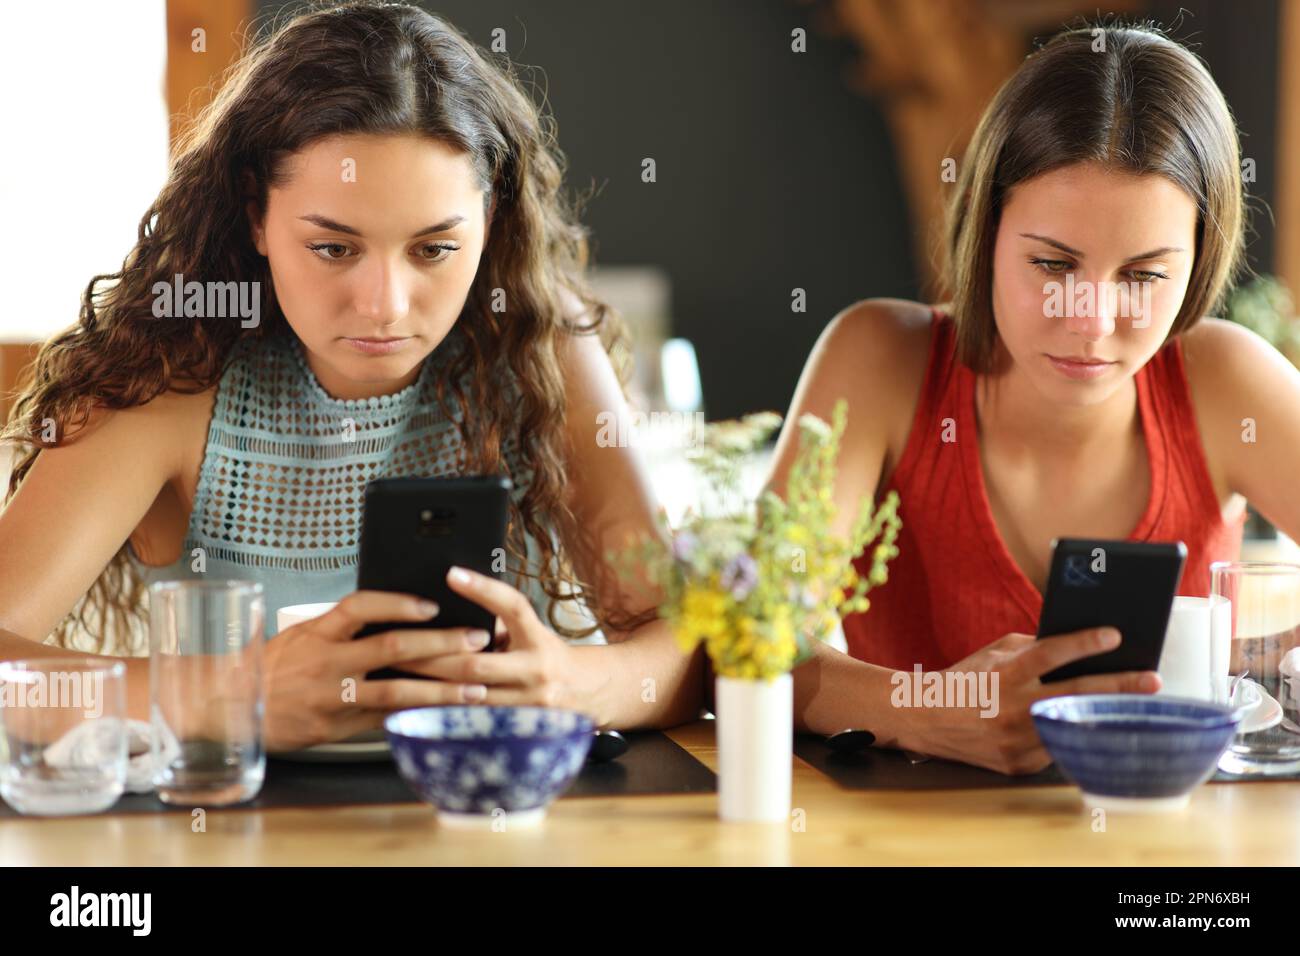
1073	388
949	527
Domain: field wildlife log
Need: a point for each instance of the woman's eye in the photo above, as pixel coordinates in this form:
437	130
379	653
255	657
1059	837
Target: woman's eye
1142	275
320	247
436	251
336	251
1051	266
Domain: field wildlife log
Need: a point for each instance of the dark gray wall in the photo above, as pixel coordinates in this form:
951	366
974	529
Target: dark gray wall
1238	40
771	173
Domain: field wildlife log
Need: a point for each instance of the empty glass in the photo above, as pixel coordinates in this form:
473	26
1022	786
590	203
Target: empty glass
63	735
206	689
1265	647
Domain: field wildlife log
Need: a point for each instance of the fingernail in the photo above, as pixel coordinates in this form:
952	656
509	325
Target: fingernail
477	639
459	575
1109	637
473	692
1150	682
427	608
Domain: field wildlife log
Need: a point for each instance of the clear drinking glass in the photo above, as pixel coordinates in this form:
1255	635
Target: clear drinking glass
63	735
206	690
1265	647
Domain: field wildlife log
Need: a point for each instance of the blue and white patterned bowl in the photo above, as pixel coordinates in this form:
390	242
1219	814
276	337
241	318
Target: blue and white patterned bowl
486	765
1133	751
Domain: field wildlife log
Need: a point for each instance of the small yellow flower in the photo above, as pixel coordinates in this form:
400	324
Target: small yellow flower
703	615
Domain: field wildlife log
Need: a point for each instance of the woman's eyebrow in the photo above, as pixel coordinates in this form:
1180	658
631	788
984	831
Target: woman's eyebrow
1075	252
1052	242
1155	252
326	223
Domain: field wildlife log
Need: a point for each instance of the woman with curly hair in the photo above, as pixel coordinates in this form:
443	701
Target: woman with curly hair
384	204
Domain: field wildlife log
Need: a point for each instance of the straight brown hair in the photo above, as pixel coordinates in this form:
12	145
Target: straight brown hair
1124	96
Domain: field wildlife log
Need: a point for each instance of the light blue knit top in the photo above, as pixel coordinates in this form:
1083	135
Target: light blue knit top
280	488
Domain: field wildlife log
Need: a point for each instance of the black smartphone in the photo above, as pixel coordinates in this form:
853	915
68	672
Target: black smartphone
413	530
1128	585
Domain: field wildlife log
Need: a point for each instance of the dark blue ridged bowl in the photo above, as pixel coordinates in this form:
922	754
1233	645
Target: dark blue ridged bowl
1133	751
489	765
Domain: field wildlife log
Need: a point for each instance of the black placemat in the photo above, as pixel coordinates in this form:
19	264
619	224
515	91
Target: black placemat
653	764
878	769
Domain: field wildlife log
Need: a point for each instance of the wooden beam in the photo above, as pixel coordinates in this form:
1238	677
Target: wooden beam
933	65
196	61
15	360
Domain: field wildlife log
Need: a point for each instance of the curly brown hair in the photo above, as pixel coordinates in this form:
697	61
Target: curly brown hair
366	68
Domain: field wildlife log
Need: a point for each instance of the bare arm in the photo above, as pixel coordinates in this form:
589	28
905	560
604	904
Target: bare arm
834	692
78	503
642	678
868	356
1251	404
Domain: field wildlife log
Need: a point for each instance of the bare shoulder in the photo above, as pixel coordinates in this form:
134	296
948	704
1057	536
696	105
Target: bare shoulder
1211	340
1238	380
875	352
171	410
188	409
1227	362
589	373
187	416
873	356
883	330
1247	398
169	430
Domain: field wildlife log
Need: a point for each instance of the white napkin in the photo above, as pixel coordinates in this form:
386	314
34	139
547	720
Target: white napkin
93	742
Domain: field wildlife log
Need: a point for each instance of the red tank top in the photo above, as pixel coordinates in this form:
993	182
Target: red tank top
954	587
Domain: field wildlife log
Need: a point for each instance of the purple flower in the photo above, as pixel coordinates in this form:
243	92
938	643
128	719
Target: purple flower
683	545
739	576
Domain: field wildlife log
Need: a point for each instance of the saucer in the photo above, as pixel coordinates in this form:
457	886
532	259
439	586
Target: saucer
1259	709
1247	696
366	747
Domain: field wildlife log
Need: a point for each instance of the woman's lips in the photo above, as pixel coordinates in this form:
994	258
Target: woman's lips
378	346
1081	369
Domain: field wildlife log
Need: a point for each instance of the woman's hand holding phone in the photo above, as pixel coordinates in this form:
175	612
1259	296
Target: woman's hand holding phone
1007	741
316	687
532	665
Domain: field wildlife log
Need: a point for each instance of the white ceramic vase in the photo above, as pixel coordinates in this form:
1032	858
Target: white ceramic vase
755	733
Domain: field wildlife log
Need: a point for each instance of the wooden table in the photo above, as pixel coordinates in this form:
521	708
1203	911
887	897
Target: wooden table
1226	824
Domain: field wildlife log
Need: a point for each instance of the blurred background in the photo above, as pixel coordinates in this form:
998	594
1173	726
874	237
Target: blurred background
797	146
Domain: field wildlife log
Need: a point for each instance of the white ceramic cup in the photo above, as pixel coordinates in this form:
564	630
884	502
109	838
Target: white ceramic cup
1194	662
297	613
